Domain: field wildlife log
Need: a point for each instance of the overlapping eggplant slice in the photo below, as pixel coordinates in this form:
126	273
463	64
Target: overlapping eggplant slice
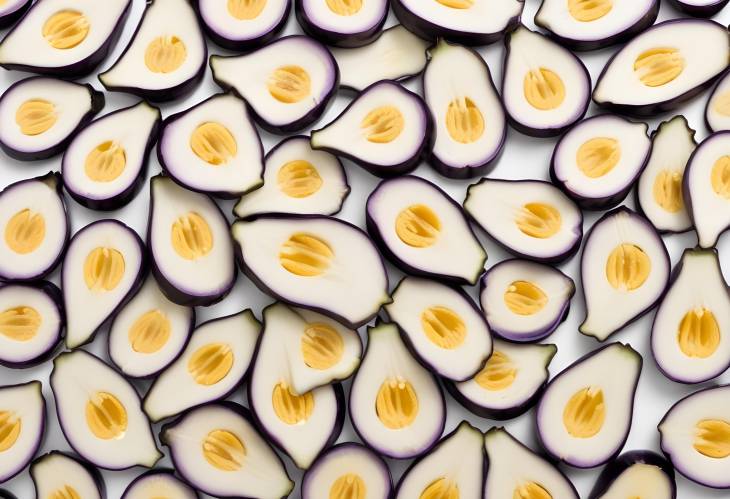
717	109
297	180
64	39
12	10
663	67
637	473
699	8
287	83
165	58
61	475
624	272
529	218
105	165
40	116
23	426
158	481
351	23
597	162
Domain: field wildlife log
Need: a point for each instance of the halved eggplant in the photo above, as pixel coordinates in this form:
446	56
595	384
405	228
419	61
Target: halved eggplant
717	109
699	8
23	426
61	475
11	11
342	24
159	481
637	473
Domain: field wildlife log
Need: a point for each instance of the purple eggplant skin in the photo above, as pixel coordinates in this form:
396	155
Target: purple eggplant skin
97	104
127	195
335	38
7	20
90	468
40	439
585	45
615	468
4	494
83	67
50	178
703	11
153	473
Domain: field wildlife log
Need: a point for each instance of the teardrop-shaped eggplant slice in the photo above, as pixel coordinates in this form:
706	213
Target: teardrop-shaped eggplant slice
159	481
717	109
699	8
62	39
41	115
64	475
23	426
11	11
637	473
342	23
105	165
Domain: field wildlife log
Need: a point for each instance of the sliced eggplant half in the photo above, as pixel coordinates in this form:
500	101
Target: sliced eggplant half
525	301
100	413
690	337
297	180
516	471
699	8
159	482
510	383
149	332
10	12
529	218
583	25
637	473
343	24
35	226
585	414
396	55
318	350
32	323
659	191
191	249
105	166
212	365
23	426
469	119
224	156
61	475
396	405
664	67
103	268
385	130
624	272
41	115
64	39
217	449
165	58
319	263
717	109
545	88
694	436
441	326
598	161
288	83
423	231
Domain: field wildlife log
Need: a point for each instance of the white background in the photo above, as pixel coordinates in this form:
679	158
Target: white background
524	158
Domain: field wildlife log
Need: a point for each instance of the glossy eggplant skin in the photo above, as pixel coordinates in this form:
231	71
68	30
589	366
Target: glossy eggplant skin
6	21
623	462
704	11
90	468
334	38
154	472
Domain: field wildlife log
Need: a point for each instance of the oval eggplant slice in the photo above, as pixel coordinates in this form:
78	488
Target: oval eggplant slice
717	109
149	332
212	365
510	383
637	473
224	157
10	12
288	83
690	337
699	8
191	250
23	426
297	180
64	475
693	435
385	130
441	326
663	67
396	405
343	24
624	272
585	414
319	263
513	470
217	449
659	191
105	165
36	228
423	231
241	25
525	301
589	26
100	413
529	218
32	323
104	266
159	482
347	468
41	115
165	58
62	39
396	55
469	120
598	161
545	88
318	350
